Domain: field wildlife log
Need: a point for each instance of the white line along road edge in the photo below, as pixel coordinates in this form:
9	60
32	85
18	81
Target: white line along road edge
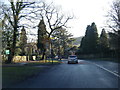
107	70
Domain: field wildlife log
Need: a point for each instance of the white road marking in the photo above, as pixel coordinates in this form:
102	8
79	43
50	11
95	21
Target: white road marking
115	72
107	70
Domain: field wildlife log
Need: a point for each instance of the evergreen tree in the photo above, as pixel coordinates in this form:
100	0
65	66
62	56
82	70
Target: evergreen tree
94	38
114	44
104	43
62	42
41	38
23	40
89	43
82	47
113	40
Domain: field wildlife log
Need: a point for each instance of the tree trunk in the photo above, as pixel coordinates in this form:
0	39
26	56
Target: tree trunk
12	50
27	58
43	54
10	56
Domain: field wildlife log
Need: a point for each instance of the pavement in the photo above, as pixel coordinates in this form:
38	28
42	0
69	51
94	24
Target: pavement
85	74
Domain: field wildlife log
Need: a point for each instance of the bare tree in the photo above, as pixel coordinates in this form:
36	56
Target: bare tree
114	16
55	19
114	24
12	12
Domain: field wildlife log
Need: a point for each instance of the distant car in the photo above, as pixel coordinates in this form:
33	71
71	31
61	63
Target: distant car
56	57
72	59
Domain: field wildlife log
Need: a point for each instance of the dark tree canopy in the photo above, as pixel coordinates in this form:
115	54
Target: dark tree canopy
62	41
104	42
89	43
104	39
23	40
113	23
41	34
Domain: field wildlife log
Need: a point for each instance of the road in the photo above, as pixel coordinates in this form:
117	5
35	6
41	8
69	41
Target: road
86	74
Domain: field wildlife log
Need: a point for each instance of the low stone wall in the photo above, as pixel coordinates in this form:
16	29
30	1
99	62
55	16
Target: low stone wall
21	58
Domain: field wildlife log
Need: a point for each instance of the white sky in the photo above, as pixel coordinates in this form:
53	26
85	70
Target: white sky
85	12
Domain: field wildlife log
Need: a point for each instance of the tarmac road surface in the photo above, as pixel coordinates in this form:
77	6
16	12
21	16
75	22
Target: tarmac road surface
85	74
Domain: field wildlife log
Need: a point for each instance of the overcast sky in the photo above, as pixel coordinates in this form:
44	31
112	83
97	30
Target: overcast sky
85	12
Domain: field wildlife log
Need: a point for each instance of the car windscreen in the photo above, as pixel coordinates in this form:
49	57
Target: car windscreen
72	56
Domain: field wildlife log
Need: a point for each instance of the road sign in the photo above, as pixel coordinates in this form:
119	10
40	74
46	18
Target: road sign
52	37
7	51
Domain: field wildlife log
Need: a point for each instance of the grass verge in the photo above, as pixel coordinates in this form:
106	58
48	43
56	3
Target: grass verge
13	75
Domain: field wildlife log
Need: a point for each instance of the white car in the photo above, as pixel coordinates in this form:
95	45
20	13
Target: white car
72	59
